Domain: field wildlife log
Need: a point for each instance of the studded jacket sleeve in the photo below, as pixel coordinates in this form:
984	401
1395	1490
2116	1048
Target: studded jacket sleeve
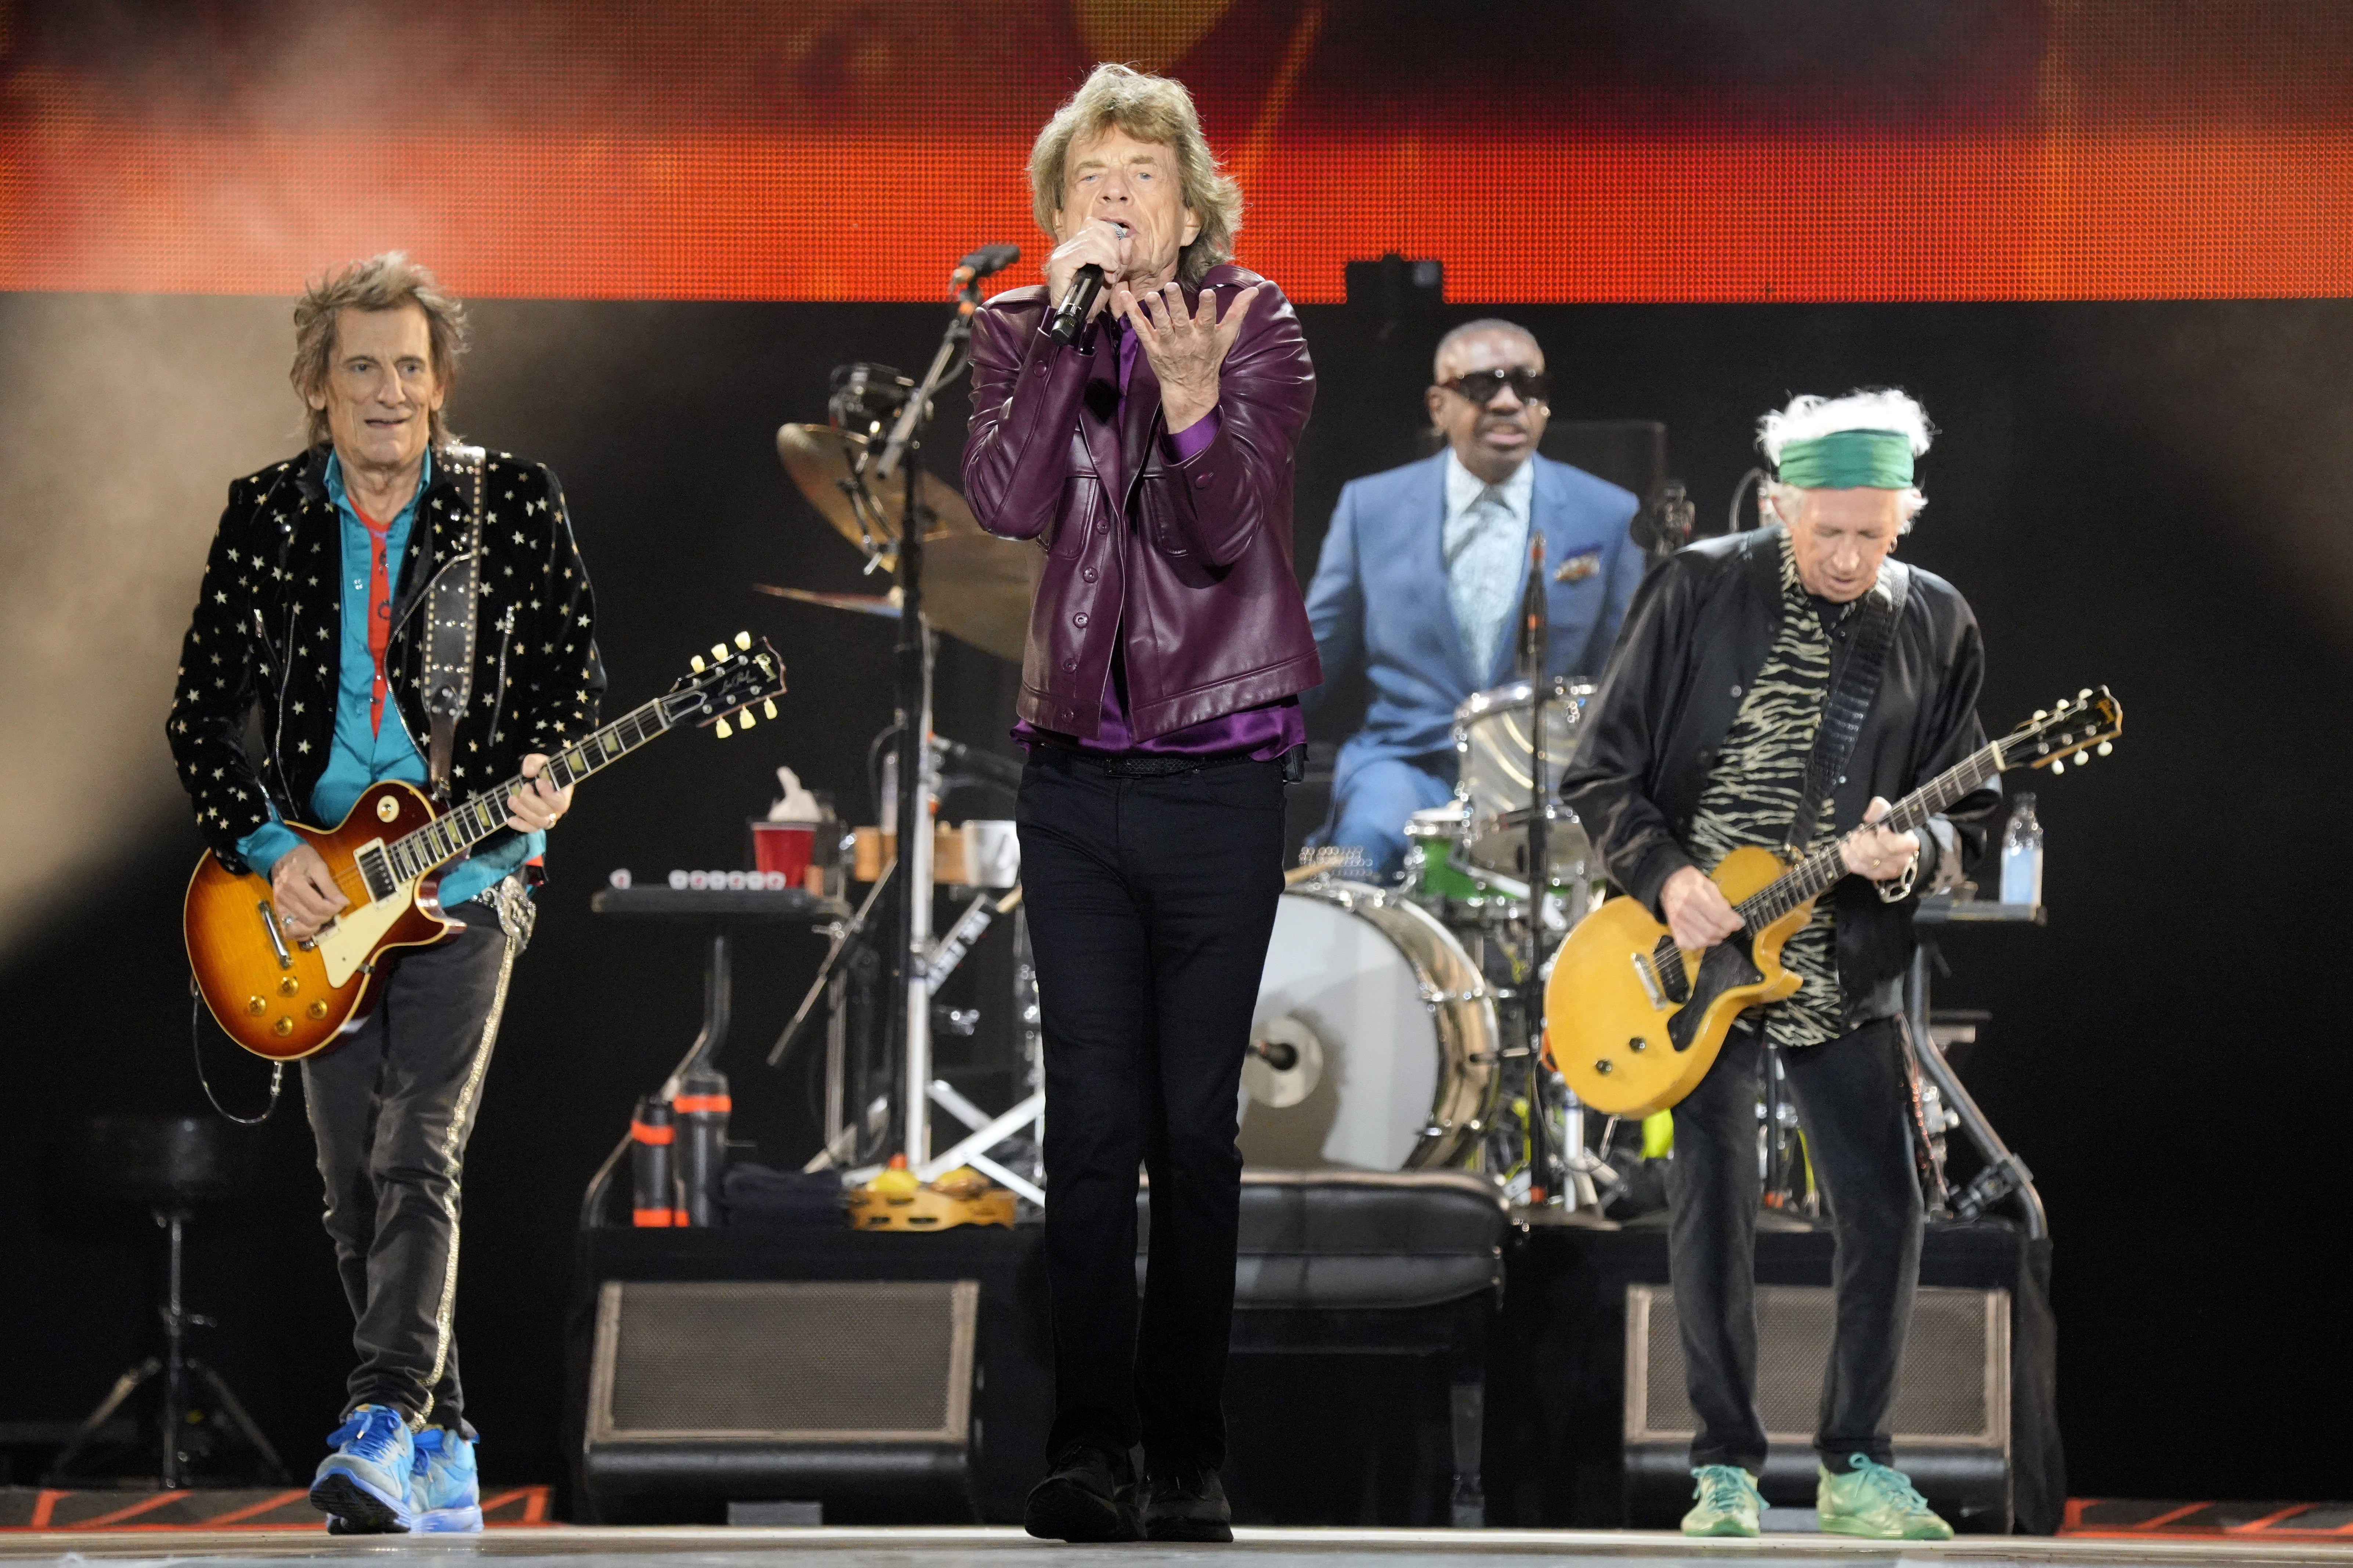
556	683
223	664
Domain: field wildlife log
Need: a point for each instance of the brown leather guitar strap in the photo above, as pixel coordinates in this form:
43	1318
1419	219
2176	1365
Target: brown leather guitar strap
449	606
1848	702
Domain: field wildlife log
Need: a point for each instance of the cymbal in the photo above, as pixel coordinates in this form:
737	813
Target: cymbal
977	586
821	461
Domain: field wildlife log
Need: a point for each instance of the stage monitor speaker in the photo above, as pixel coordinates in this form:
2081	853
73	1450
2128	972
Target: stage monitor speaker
1951	1424
857	1394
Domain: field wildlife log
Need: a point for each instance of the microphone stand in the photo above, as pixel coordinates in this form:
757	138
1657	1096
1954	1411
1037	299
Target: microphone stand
912	682
1534	654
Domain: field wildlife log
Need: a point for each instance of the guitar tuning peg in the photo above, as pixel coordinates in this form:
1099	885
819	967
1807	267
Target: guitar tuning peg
768	708
743	641
2105	747
723	731
746	719
719	651
2057	767
2085	695
2082	759
695	664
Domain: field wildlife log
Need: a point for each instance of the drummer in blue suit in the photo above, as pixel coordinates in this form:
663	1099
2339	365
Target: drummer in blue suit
1422	571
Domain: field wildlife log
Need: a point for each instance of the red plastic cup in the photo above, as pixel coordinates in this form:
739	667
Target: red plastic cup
784	847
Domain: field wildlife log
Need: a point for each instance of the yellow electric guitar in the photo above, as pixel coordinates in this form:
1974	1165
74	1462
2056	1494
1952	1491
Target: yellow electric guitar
285	999
1633	1022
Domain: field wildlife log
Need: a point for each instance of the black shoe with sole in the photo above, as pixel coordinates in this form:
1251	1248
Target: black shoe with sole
1087	1496
1187	1505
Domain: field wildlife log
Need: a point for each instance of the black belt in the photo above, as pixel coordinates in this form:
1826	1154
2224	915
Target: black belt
1137	764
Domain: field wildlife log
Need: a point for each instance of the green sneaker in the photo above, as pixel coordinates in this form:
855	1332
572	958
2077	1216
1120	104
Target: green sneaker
1728	1503
1877	1502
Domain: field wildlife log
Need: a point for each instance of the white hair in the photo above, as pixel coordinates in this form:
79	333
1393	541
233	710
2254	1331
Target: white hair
1810	417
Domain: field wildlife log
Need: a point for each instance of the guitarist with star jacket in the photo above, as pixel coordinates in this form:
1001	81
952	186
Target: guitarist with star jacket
1699	742
312	611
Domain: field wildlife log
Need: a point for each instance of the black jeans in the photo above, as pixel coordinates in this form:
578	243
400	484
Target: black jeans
1151	902
391	1106
1850	1095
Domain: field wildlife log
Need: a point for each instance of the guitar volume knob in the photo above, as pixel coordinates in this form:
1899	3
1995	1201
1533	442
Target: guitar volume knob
288	986
283	1028
256	1006
317	1009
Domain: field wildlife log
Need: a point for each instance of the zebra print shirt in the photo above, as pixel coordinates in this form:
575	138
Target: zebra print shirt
1752	794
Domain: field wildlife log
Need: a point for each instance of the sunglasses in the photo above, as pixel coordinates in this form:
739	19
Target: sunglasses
1483	386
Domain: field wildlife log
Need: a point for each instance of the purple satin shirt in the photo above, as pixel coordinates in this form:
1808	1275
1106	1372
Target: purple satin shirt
1265	733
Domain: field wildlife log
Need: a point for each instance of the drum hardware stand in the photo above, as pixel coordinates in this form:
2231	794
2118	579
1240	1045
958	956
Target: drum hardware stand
1781	1151
2005	1174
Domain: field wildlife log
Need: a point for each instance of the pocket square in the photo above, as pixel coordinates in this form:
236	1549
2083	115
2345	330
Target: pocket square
1577	568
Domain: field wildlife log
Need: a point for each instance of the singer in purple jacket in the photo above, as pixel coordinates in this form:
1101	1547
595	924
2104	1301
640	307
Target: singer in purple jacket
1151	458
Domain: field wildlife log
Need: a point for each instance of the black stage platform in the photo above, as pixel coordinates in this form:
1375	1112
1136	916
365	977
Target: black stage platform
1363	1440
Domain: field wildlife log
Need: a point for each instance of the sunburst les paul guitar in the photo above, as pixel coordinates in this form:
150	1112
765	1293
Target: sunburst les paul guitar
1633	1022
284	999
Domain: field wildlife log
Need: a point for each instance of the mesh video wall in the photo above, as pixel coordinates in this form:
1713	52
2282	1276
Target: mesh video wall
1637	150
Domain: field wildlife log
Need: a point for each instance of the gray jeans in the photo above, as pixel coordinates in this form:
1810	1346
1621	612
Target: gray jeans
1851	1095
391	1106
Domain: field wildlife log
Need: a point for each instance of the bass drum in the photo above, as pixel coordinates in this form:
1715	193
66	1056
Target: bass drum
1374	1045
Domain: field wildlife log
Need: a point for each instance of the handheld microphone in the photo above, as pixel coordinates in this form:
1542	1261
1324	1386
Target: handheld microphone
1077	300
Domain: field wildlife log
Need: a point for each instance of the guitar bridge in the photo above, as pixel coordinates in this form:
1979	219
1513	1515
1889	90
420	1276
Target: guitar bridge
1642	972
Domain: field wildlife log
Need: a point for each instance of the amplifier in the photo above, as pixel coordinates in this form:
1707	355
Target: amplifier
855	1395
1951	1424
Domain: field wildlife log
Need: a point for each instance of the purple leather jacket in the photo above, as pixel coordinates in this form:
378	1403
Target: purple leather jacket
1191	561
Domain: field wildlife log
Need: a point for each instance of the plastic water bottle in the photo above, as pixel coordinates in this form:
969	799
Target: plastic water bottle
2022	855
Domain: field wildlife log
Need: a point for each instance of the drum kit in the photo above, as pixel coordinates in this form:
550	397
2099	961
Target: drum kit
1392	1030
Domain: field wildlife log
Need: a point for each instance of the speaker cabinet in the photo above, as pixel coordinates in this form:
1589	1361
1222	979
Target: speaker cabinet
1951	1423
857	1394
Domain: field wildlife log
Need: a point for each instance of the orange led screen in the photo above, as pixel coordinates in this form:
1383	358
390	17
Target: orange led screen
1644	150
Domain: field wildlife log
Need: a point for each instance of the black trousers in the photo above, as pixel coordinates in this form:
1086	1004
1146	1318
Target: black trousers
1151	901
391	1107
1851	1096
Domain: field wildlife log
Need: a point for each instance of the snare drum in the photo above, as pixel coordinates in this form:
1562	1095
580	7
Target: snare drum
1373	1044
1493	749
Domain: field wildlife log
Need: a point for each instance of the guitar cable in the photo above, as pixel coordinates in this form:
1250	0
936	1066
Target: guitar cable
196	1045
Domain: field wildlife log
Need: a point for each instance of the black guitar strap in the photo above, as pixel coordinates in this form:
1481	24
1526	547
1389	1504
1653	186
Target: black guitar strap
449	606
1851	696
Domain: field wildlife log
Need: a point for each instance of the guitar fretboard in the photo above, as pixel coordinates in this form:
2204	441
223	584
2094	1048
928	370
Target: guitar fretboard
447	836
1812	875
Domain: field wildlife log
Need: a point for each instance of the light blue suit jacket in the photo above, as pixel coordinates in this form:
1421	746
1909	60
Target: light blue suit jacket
1380	593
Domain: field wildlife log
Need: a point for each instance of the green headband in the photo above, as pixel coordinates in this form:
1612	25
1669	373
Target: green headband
1849	459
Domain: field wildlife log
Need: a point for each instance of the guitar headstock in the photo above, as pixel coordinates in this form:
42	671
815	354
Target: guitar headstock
727	685
2080	728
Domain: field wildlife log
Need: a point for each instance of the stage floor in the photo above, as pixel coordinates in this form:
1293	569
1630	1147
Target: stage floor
910	1548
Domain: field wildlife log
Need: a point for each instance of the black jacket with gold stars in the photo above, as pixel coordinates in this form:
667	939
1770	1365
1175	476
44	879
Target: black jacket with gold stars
267	628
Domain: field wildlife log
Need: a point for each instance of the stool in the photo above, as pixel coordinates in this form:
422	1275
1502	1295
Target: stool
1374	1262
171	1166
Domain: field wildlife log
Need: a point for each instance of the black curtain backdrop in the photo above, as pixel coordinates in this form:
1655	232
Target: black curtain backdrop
2141	494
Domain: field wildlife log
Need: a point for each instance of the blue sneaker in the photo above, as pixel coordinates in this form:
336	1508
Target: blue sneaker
364	1485
444	1487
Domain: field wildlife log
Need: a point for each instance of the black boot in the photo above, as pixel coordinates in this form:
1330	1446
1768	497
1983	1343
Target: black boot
1088	1495
1185	1503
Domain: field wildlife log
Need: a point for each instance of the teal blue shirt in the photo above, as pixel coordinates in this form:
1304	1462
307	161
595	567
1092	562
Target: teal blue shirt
365	754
